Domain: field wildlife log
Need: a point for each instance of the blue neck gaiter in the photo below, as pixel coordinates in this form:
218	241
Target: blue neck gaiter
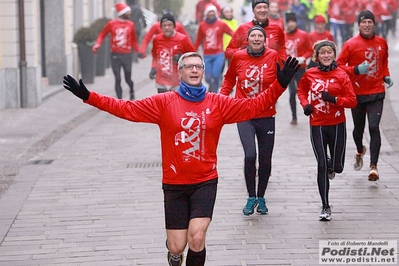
191	93
211	21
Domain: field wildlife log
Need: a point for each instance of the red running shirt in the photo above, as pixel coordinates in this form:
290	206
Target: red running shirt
251	75
123	36
190	131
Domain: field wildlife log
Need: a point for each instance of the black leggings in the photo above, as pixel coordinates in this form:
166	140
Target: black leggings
335	138
263	129
373	110
124	61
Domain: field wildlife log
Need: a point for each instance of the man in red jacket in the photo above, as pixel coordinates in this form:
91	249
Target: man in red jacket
365	59
123	40
155	30
190	121
167	48
275	35
297	43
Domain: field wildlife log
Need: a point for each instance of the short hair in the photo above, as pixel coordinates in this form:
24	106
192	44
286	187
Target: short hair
189	54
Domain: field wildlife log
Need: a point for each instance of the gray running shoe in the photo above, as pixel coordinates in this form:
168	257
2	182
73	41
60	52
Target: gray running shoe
325	214
358	161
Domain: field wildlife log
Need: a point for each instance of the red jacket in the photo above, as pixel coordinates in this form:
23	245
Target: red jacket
283	5
163	50
279	21
155	30
274	39
123	36
337	83
298	44
211	36
335	10
349	11
374	6
189	131
315	36
251	75
358	49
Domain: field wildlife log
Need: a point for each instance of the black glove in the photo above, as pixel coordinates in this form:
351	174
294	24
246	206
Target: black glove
328	97
79	89
285	75
153	73
176	57
307	110
141	55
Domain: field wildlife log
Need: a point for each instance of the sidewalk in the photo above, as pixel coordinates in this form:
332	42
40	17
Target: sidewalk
85	189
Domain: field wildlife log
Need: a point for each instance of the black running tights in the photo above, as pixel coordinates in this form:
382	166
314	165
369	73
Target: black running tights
373	110
263	129
333	137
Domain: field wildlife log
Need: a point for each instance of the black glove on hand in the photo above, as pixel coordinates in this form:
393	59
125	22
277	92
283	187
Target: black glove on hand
153	73
176	57
285	75
79	89
307	110
327	97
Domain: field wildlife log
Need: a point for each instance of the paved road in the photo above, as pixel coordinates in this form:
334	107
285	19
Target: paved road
80	187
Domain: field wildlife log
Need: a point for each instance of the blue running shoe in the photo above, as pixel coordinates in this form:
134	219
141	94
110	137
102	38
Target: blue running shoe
249	209
262	209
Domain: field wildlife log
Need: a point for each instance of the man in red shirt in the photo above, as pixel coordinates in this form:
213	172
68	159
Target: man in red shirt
210	36
275	35
298	45
123	40
190	122
167	47
155	30
365	59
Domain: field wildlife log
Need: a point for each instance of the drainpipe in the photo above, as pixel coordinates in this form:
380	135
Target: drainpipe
22	54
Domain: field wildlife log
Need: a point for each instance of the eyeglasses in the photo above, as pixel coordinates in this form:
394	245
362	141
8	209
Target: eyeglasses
191	66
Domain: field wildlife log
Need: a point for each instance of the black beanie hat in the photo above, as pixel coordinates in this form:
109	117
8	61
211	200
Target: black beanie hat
168	17
365	15
255	2
290	16
257	27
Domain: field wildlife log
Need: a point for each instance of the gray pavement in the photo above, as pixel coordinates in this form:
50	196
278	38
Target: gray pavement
81	187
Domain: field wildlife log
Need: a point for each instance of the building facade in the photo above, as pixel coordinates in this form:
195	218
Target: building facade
36	48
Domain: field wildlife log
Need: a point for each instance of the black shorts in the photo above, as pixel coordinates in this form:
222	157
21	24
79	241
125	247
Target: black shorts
183	203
